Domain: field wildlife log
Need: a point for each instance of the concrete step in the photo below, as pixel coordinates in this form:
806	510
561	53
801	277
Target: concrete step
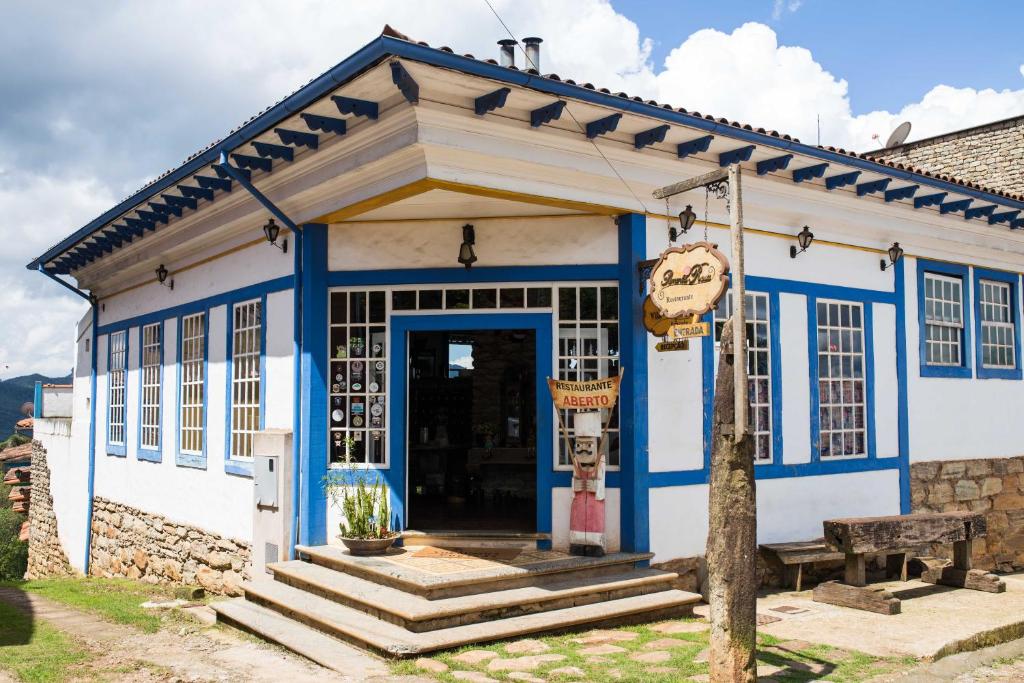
473	539
297	637
419	614
357	627
382	570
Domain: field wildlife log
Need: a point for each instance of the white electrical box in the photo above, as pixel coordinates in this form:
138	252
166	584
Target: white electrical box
273	507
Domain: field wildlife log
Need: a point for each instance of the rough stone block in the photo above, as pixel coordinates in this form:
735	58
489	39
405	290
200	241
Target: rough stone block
940	494
924	471
1008	501
978	468
966	489
991	486
954	469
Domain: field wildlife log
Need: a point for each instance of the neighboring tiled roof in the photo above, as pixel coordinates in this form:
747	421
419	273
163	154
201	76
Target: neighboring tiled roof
24	423
992	153
16	452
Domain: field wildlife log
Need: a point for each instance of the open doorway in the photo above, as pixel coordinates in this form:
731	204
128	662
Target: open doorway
472	437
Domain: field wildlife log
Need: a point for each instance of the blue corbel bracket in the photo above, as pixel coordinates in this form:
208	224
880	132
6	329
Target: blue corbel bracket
298	138
602	126
152	216
873	186
695	146
809	173
929	200
735	156
272	151
901	193
546	114
114	238
841	180
772	165
221	173
139	226
953	207
166	209
180	202
327	124
979	211
1007	217
124	231
196	192
255	163
491	101
350	105
1017	224
409	88
649	137
214	183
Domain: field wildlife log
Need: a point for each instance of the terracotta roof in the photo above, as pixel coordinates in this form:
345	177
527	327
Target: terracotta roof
16	452
57	386
24	423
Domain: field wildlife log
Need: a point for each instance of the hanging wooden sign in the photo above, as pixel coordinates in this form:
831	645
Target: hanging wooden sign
689	330
654	321
592	395
677	345
689	280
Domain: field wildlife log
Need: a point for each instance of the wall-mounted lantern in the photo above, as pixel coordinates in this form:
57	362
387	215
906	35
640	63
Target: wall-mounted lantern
804	239
467	256
686	219
895	254
161	277
272	230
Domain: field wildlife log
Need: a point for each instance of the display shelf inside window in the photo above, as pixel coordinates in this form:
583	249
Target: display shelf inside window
588	349
358	378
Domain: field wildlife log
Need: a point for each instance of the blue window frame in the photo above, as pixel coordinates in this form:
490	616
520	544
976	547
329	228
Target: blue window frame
193	334
151	387
997	324
943	317
246	382
117	392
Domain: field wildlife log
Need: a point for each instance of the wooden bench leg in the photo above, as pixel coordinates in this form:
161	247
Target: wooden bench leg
896	566
794	576
856	574
960	575
868	598
962	554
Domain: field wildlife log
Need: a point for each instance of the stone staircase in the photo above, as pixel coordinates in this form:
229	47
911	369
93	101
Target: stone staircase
401	611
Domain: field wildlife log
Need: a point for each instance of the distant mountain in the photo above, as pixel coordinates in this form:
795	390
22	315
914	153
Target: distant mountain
16	391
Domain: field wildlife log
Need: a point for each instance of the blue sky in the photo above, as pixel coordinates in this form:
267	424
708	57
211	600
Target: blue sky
890	52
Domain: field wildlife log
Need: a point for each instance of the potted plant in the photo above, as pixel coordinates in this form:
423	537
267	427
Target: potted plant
366	527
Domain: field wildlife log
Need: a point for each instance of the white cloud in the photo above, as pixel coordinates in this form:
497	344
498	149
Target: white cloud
781	6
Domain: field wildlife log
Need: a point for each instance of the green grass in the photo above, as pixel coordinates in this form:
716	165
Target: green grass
36	652
815	662
116	600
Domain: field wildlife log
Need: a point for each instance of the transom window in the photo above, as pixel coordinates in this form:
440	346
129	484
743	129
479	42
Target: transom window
759	382
116	390
842	406
149	423
192	385
246	337
944	319
995	303
470	298
588	349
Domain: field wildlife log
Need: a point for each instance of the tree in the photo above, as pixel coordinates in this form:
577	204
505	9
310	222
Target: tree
13	552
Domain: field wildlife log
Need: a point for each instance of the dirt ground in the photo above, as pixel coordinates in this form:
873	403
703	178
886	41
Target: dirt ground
185	652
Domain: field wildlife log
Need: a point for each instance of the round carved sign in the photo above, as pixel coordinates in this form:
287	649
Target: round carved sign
689	280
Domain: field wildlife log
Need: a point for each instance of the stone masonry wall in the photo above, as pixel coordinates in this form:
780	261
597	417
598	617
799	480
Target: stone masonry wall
127	542
46	556
993	486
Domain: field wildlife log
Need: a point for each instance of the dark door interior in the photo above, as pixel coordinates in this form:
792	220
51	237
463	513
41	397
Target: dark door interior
472	430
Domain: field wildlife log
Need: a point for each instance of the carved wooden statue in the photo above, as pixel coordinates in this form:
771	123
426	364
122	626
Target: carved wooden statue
586	517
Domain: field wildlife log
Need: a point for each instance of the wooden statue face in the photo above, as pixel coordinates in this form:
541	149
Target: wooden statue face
586	450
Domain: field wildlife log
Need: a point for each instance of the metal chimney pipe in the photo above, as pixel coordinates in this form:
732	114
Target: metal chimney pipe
532	53
507	52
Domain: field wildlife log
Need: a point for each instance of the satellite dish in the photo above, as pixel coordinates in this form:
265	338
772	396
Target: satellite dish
27	408
899	135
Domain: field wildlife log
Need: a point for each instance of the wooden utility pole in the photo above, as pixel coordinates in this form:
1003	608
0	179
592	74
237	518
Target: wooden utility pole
732	533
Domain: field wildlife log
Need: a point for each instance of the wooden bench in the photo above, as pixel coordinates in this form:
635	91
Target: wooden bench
794	555
857	537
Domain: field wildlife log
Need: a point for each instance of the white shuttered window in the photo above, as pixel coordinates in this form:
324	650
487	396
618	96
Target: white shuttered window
192	384
149	428
116	387
246	337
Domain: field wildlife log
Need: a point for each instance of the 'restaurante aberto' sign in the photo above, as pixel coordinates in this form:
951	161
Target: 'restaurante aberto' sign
689	280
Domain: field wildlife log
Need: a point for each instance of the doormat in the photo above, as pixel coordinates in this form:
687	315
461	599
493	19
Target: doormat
492	554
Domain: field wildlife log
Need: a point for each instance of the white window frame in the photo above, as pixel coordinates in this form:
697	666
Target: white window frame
117	375
151	379
830	405
988	309
192	385
938	323
246	407
758	428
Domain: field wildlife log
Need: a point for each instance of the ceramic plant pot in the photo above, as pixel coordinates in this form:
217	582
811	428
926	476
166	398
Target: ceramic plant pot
368	546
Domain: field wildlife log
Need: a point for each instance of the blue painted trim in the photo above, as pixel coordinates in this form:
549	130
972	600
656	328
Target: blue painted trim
779	471
1013	280
707	365
314	378
811	289
199	305
193	460
395	473
117	450
91	477
953	270
455	276
812	376
297	514
633	418
775	370
869	377
151	454
231	466
902	405
37	401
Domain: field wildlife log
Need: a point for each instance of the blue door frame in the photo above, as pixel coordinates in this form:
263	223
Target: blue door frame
400	327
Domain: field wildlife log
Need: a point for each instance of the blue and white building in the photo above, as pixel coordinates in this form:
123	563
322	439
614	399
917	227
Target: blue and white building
347	340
